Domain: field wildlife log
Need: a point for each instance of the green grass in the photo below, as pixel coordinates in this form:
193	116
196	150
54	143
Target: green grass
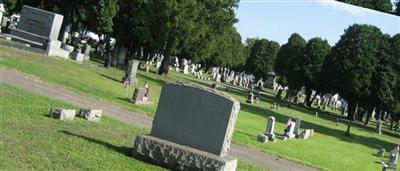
31	140
329	149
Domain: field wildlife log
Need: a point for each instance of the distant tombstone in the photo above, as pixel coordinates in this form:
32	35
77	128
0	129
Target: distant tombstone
316	114
142	96
91	115
78	57
289	130
250	98
381	153
218	78
297	127
379	127
214	85
394	156
269	134
337	121
194	121
130	72
270	128
307	133
87	51
62	114
142	65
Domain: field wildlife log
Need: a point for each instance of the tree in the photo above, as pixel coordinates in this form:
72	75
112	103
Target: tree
262	57
288	63
397	10
183	17
379	5
353	62
315	53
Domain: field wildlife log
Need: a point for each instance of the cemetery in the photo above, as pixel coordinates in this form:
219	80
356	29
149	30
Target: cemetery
172	111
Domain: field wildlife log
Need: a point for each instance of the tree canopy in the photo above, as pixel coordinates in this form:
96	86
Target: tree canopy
353	61
262	57
379	5
288	62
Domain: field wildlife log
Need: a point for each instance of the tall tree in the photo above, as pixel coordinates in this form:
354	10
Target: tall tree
288	61
262	57
379	5
353	61
183	17
315	53
397	10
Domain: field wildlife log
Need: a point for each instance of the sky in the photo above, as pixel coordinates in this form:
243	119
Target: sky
278	19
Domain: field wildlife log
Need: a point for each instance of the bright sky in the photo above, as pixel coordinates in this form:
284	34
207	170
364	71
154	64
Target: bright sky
278	19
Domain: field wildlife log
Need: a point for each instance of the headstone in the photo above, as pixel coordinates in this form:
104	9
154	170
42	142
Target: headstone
214	85
289	130
130	72
316	114
394	156
250	98
38	25
78	57
307	133
62	114
195	122
142	96
379	127
337	121
381	153
87	51
297	127
270	128
91	115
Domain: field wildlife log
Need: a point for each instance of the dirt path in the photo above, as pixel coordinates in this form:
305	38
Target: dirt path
62	94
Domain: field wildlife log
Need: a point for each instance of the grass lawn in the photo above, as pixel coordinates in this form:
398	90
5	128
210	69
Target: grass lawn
329	149
33	141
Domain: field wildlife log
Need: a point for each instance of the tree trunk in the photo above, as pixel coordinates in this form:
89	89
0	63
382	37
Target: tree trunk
164	68
369	114
353	107
313	99
308	96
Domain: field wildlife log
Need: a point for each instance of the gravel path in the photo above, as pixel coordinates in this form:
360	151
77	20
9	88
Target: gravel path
62	94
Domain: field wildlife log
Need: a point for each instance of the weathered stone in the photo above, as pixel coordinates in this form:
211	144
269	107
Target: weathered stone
62	114
297	127
78	57
179	157
269	132
91	115
306	134
142	96
38	25
262	138
196	116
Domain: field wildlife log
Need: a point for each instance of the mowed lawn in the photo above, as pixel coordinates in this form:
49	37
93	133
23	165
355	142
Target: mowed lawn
31	140
329	149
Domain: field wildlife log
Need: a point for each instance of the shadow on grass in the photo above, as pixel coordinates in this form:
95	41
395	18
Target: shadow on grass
152	79
340	134
123	150
111	78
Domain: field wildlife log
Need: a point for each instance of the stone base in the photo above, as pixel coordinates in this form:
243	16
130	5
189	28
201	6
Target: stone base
179	157
271	137
138	102
262	138
62	114
288	137
91	115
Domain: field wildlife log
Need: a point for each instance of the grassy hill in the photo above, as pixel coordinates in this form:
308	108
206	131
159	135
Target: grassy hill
329	149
